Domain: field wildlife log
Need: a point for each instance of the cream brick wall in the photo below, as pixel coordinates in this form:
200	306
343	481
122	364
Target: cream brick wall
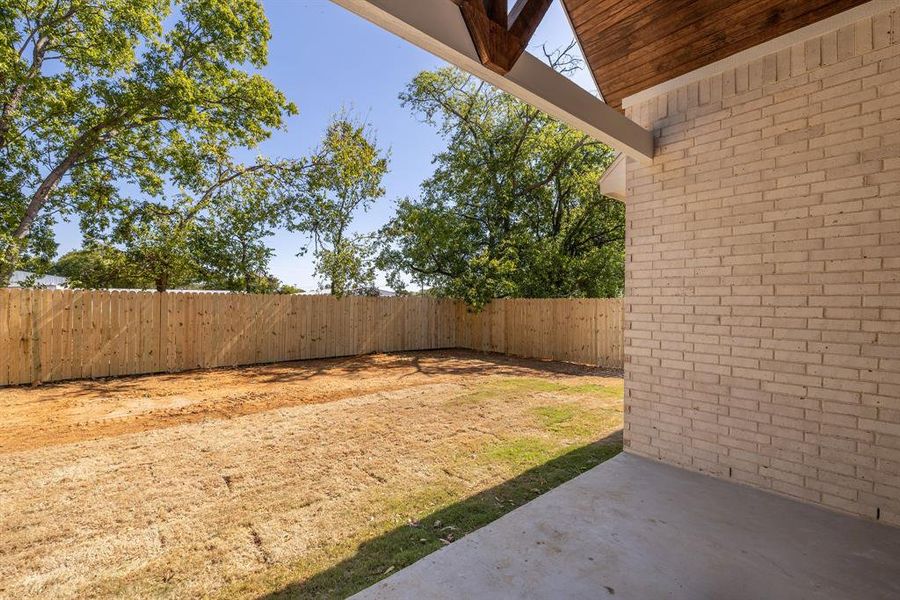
763	274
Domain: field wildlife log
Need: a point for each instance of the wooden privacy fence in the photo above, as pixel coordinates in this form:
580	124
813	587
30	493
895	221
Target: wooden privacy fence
588	331
52	335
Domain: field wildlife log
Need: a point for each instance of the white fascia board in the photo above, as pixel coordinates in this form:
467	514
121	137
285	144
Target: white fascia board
613	182
438	27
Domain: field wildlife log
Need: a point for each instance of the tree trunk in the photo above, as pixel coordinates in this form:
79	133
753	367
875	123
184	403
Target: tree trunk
12	104
13	250
244	268
39	198
8	262
162	283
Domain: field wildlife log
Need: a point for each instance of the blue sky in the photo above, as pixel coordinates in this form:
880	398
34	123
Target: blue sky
324	59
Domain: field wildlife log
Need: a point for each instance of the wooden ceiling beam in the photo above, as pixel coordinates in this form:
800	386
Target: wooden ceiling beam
525	17
498	12
501	38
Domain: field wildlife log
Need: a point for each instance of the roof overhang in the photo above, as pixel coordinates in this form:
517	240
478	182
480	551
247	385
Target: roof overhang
633	45
771	46
438	27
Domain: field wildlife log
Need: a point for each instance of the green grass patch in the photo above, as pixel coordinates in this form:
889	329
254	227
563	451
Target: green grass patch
570	421
520	452
597	390
510	387
524	384
556	418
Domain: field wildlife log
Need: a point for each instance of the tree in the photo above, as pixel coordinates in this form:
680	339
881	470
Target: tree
348	264
212	232
98	266
166	241
156	237
94	93
347	179
229	241
513	207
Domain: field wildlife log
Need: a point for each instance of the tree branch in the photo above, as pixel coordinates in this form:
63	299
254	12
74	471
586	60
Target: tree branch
554	171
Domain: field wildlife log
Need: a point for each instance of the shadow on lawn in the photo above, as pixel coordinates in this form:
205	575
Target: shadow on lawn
377	558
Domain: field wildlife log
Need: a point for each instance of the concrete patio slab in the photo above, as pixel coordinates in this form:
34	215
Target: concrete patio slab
634	528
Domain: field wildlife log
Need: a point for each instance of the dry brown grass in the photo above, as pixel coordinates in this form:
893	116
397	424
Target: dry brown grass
243	481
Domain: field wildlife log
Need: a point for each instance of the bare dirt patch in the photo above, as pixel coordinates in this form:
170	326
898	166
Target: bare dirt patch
241	482
82	410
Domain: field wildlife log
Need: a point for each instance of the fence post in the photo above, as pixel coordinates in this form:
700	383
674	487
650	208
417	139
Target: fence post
35	331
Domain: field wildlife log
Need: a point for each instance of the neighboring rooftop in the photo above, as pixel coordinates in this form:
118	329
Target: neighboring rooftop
46	281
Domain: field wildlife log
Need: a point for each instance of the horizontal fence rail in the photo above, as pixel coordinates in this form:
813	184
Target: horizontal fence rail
53	335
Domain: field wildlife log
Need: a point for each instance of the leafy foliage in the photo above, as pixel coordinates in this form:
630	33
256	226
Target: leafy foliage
229	241
513	207
156	237
346	178
98	267
213	233
189	237
99	93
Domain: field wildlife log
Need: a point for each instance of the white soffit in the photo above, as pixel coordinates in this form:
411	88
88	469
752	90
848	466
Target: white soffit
438	27
612	183
857	13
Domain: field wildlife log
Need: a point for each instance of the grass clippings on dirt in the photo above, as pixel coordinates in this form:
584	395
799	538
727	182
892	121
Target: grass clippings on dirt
306	480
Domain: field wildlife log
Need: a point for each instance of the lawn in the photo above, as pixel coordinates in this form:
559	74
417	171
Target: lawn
301	480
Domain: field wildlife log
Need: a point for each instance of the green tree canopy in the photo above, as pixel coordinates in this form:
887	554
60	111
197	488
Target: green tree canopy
189	238
96	93
349	168
229	241
212	233
98	267
513	207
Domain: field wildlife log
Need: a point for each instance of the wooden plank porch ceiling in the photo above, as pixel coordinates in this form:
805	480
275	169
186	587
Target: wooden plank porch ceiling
632	45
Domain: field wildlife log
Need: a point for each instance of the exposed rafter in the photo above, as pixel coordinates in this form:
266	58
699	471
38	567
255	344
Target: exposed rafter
498	12
500	37
525	17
